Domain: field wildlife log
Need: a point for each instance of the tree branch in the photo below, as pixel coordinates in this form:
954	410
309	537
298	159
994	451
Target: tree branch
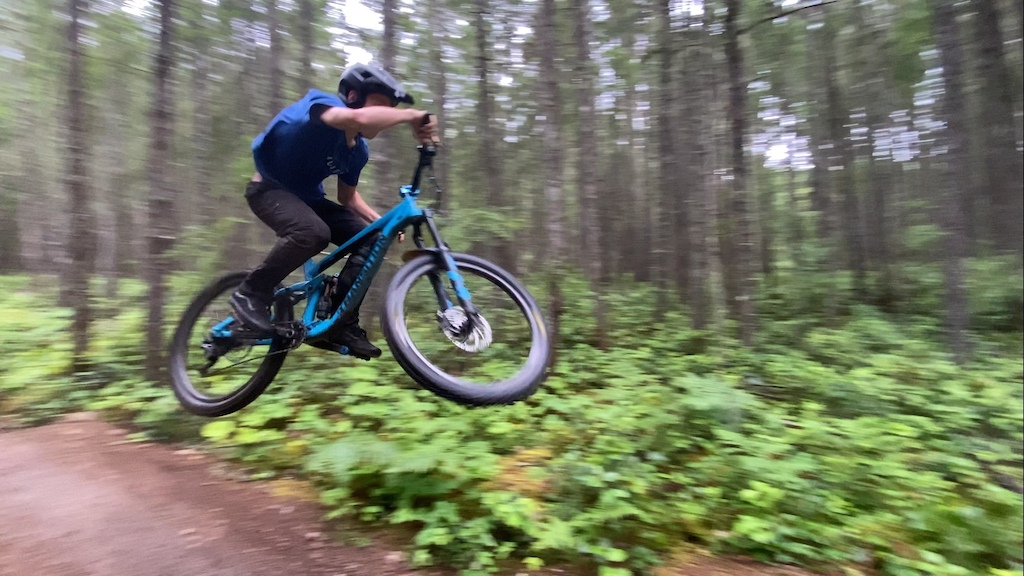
786	13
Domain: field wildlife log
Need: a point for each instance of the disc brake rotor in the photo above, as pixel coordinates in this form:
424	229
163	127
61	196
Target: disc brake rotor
453	324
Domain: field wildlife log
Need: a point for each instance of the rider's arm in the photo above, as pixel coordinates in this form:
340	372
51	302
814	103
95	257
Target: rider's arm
349	197
370	120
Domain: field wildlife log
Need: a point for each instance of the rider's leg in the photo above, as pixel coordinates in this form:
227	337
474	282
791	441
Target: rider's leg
301	235
344	224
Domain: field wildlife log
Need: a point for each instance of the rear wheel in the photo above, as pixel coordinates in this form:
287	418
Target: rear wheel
499	357
217	368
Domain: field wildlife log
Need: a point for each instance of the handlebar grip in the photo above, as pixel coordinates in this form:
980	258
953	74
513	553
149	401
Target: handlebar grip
426	119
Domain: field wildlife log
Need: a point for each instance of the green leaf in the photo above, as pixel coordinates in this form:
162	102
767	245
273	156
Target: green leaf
218	430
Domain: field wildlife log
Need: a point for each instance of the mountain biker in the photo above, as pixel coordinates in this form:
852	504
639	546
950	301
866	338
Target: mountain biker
320	135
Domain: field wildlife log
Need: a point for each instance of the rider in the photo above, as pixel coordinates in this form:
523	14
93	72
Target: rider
320	135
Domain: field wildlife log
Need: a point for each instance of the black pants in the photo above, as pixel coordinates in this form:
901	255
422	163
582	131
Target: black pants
302	230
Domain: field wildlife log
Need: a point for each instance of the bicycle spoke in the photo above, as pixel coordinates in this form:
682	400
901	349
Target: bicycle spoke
491	347
239	356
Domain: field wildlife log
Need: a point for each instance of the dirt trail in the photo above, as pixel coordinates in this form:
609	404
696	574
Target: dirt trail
77	500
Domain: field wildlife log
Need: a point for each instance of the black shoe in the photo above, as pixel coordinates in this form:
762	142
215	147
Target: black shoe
253	309
350	336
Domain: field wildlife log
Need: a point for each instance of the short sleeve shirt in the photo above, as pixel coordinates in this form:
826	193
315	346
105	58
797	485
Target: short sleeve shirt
299	151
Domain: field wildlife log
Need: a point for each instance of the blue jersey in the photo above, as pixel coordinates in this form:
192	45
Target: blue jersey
298	151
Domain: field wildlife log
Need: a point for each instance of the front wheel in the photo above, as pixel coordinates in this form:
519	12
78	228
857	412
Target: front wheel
498	357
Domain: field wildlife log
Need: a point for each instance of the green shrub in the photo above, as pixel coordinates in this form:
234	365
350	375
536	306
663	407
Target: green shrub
856	445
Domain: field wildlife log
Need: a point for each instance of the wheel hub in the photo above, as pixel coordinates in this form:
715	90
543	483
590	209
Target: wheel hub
472	336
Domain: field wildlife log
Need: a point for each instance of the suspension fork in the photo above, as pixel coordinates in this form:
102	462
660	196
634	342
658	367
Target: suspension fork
451	270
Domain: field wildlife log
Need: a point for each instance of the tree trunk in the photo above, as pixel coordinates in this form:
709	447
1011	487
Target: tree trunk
641	239
954	111
880	190
822	181
843	156
499	249
439	88
82	236
10	242
822	203
252	104
125	254
616	195
1002	172
383	145
276	49
712	134
117	233
306	78
743	241
161	200
202	139
586	148
550	107
880	181
668	163
876	95
202	123
635	250
697	231
795	220
762	186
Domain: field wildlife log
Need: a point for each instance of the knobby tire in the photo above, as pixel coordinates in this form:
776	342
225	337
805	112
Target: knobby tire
521	385
192	399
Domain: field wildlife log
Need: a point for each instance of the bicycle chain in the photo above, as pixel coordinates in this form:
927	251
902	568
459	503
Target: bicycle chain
296	341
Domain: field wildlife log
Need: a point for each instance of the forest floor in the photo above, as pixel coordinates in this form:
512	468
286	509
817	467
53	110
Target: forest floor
78	498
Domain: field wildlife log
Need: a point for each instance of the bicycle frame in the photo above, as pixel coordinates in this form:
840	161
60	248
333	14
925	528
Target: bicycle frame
405	214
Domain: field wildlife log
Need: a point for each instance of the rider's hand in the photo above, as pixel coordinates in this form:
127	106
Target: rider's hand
426	133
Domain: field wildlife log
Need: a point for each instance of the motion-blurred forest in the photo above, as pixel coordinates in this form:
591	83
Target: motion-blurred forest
779	242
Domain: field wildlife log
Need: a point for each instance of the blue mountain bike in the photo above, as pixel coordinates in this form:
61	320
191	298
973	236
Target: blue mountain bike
460	326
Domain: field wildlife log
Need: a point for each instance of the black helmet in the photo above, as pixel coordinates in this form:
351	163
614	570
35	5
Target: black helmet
367	79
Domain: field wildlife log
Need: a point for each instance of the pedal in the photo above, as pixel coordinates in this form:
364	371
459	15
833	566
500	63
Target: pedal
338	349
324	344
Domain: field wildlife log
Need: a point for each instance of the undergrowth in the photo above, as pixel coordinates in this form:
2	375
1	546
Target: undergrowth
855	445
